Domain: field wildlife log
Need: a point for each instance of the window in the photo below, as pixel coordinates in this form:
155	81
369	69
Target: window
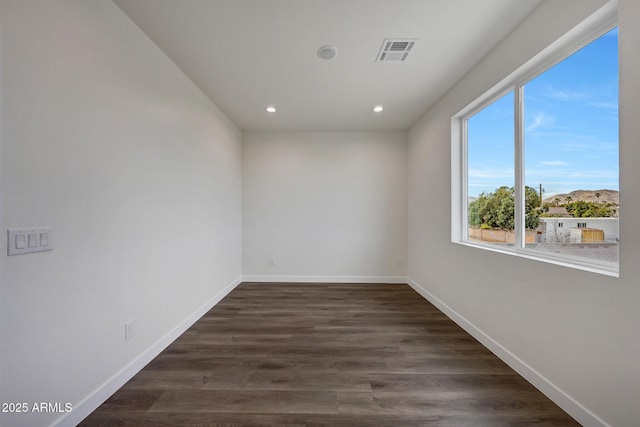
490	172
542	148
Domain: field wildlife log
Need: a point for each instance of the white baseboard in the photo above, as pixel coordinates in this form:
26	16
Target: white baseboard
553	392
102	393
326	279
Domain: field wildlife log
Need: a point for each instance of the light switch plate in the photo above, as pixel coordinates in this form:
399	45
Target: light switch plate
29	240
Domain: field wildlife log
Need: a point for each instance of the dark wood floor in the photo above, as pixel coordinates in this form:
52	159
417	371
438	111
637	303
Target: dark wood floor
326	355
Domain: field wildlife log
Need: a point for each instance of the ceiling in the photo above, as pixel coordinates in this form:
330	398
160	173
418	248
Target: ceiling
246	55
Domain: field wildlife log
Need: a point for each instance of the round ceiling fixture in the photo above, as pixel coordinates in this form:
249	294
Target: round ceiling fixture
327	52
378	109
271	109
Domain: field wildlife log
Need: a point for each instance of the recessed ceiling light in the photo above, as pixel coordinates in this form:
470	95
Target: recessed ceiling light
327	52
378	109
271	109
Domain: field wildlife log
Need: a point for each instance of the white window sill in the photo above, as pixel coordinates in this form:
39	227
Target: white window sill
593	266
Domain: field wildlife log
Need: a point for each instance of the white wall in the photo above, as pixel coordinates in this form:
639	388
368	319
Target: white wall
139	174
572	333
324	204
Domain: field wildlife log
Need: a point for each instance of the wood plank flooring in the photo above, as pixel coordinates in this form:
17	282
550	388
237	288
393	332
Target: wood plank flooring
326	355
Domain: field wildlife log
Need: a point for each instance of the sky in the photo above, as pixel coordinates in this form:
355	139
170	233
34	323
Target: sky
570	127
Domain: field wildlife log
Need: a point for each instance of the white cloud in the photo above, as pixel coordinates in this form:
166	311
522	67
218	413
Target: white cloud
605	105
554	163
566	95
540	119
490	173
600	174
548	91
590	148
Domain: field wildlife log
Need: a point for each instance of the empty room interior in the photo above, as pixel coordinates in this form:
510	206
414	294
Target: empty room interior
260	185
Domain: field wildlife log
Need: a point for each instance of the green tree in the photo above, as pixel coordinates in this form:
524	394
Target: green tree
583	209
484	210
496	209
473	211
531	212
506	207
578	208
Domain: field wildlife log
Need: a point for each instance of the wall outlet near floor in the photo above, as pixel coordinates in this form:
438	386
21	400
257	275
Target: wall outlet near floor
272	261
129	329
399	262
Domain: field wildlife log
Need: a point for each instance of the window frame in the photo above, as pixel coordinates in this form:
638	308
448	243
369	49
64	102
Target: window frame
598	24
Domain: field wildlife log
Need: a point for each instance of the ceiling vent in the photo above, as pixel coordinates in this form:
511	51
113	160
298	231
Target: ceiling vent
395	49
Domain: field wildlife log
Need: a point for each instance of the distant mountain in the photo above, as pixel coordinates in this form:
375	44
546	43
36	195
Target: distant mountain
606	196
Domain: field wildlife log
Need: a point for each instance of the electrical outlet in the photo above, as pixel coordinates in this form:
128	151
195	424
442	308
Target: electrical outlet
129	329
272	261
399	262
